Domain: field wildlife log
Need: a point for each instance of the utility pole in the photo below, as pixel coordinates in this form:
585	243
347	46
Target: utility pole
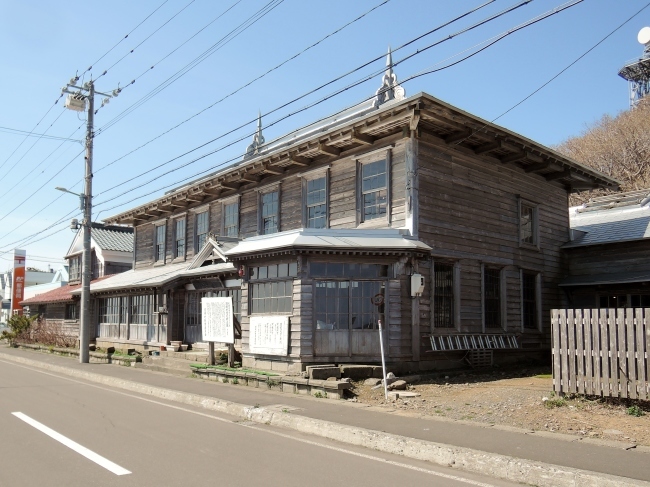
76	100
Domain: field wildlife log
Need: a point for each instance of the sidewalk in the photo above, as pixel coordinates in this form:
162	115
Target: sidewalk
538	458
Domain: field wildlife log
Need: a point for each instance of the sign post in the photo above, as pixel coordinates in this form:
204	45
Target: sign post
18	282
217	325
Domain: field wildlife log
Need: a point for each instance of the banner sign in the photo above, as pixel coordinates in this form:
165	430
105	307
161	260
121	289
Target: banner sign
18	282
216	320
269	335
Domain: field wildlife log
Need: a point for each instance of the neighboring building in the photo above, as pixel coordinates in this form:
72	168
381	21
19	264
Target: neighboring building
609	253
111	251
59	278
319	234
35	281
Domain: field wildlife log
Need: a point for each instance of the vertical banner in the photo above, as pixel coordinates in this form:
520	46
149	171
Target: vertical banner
18	282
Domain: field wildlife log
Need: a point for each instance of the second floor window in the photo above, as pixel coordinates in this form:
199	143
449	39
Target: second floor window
179	236
231	219
527	224
316	201
201	229
160	243
374	190
75	268
270	209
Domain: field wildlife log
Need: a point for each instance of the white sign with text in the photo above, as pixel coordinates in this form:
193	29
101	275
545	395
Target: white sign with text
269	335
216	320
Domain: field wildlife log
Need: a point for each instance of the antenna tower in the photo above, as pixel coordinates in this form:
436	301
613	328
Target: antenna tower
637	72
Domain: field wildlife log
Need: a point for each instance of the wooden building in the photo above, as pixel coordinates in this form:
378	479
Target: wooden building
609	252
321	233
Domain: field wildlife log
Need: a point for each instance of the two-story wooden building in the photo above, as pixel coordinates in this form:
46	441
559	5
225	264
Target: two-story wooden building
321	233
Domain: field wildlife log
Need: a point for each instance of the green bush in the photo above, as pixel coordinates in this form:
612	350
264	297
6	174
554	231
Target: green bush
635	411
20	327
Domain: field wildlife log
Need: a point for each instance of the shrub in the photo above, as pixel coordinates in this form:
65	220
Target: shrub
20	327
635	411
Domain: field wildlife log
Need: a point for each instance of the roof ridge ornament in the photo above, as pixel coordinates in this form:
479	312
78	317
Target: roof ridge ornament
258	140
389	89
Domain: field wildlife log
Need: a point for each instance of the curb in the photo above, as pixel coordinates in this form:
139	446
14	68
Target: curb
466	459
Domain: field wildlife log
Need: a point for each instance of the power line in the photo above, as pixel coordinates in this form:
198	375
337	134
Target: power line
124	38
12	131
188	67
145	39
372	75
408	79
251	82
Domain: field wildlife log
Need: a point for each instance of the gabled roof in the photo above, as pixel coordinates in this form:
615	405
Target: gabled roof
105	237
621	217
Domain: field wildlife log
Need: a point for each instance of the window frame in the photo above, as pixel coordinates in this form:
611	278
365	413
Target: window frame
236	200
502	297
534	207
538	300
307	177
176	254
364	160
71	311
275	188
156	250
254	283
455	295
197	213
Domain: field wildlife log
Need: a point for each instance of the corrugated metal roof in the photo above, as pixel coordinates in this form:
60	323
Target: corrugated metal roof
610	226
613	278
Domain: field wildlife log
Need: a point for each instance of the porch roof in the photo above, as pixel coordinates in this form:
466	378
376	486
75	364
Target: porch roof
328	239
155	276
612	278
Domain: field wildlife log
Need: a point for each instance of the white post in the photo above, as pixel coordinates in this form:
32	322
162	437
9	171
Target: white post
383	362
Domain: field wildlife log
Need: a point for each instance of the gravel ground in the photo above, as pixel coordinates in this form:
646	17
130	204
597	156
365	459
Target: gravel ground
522	399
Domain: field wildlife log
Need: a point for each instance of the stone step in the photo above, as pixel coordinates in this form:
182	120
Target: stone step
167	362
187	372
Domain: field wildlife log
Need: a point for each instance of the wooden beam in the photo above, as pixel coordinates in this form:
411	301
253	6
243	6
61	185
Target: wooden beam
490	146
212	191
328	151
538	167
251	178
230	185
357	136
299	160
194	198
415	120
458	136
558	175
273	169
582	186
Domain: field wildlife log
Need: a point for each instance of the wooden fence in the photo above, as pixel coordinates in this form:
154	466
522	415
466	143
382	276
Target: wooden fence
601	352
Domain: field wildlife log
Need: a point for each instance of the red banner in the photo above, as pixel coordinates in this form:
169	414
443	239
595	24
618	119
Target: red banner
18	284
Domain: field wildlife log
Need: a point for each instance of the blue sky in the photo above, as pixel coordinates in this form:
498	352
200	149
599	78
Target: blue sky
43	44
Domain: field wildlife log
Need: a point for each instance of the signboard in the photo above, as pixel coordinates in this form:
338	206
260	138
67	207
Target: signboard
216	320
18	282
269	335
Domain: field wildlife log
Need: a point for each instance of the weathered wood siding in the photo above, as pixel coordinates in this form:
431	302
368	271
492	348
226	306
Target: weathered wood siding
144	245
468	212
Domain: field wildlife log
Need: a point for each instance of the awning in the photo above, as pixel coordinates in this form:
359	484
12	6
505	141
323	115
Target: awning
613	278
328	240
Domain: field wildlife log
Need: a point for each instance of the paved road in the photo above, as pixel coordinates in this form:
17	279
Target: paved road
61	432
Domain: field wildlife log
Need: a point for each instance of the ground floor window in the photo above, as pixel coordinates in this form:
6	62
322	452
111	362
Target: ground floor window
529	300
492	297
271	297
342	305
443	295
141	308
71	311
110	309
624	301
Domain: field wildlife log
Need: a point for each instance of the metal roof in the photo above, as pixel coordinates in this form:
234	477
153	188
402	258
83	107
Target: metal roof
115	238
328	239
621	220
613	278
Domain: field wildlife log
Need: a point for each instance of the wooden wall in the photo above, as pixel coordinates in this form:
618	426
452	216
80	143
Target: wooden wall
468	212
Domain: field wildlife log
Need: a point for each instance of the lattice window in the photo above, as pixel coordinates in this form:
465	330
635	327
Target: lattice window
374	190
231	219
179	236
202	225
492	298
443	295
270	207
529	300
316	208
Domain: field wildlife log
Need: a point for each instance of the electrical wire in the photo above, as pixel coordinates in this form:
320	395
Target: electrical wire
366	78
406	80
188	67
11	131
250	83
145	40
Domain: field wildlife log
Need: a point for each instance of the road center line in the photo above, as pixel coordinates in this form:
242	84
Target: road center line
82	450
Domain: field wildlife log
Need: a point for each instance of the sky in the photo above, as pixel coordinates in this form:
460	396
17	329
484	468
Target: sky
203	69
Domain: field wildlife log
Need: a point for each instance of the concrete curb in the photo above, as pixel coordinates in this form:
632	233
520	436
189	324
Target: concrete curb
476	461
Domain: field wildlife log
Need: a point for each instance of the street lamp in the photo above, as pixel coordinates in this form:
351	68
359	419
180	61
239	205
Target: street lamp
82	197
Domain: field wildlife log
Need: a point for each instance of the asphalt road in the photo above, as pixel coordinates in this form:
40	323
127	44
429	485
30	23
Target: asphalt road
56	431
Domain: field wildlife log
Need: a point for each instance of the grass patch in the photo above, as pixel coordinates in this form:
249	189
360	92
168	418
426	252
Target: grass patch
635	411
555	402
543	376
232	369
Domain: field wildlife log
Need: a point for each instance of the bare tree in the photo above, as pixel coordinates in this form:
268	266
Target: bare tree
618	147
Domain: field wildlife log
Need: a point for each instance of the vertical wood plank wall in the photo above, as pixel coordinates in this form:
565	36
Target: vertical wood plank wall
469	214
601	352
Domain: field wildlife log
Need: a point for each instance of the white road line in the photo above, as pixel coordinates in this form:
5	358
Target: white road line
407	466
82	450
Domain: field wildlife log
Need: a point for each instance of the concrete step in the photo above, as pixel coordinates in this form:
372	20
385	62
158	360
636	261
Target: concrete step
167	370
167	362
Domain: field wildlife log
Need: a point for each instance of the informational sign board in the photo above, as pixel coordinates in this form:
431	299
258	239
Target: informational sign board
216	320
18	284
269	335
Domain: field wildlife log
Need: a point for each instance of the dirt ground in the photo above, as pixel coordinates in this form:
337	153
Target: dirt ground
521	399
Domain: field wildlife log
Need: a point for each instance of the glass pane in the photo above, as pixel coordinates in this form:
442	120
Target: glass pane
273	271
293	269
283	270
334	269
318	269
262	272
